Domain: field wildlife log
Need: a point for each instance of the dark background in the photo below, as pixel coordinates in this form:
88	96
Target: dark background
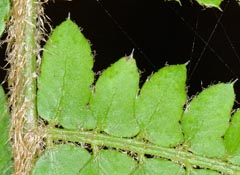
160	33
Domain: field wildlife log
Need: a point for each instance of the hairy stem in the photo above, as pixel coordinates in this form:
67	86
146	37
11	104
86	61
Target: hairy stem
23	38
175	155
29	70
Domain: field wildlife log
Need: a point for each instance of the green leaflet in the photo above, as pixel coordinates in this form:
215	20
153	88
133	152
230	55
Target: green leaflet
72	160
109	162
159	166
4	12
160	106
65	79
206	118
210	3
120	81
5	154
232	136
69	159
61	160
232	139
117	120
204	172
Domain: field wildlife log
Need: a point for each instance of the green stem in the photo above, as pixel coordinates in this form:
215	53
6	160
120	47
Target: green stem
140	147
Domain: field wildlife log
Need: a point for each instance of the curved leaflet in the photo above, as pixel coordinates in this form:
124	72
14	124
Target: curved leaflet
160	105
206	120
65	79
120	81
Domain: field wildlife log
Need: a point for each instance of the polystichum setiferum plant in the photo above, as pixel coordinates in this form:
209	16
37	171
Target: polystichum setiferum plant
112	126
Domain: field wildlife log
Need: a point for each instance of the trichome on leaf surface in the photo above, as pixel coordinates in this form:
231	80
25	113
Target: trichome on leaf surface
110	126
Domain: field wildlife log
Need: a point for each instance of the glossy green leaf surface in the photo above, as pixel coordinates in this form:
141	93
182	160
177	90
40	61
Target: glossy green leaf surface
5	153
65	79
206	119
160	106
4	13
120	81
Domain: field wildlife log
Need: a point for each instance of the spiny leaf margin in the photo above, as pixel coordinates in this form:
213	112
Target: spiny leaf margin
113	73
65	78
